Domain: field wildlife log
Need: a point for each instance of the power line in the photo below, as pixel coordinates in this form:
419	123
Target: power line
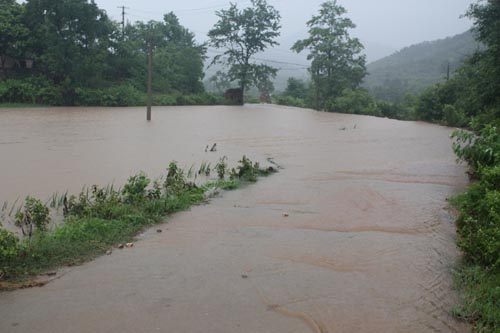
264	59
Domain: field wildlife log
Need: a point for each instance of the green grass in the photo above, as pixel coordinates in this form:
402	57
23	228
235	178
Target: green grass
21	105
480	292
86	235
100	218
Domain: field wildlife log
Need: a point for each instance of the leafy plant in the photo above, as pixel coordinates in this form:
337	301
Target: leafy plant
134	190
175	181
221	168
479	150
9	250
33	215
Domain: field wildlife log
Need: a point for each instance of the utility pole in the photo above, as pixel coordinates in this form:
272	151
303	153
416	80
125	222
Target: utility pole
448	72
123	17
150	76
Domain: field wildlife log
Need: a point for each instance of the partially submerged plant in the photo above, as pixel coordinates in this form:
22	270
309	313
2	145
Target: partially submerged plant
135	189
205	169
100	217
34	215
221	168
248	171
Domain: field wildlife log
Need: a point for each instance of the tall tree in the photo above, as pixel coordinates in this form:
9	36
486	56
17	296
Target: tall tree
178	60
71	40
244	33
14	33
336	61
483	69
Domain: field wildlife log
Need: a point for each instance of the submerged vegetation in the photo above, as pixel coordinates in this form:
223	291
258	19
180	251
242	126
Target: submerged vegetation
102	217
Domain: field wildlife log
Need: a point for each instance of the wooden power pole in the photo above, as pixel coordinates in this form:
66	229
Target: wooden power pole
150	77
123	18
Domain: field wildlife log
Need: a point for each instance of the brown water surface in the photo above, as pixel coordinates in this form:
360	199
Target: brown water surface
367	247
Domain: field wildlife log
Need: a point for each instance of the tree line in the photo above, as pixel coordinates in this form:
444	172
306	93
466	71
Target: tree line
77	55
69	52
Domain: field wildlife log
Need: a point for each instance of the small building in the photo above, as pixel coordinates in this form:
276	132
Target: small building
7	63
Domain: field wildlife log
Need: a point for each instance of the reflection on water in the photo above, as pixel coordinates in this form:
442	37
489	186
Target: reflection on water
366	244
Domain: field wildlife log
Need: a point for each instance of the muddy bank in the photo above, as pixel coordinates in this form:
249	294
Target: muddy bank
367	244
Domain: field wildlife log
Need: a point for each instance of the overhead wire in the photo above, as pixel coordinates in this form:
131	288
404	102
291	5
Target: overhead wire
296	66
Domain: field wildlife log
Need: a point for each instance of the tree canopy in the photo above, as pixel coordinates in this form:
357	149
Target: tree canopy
336	61
14	33
242	34
79	52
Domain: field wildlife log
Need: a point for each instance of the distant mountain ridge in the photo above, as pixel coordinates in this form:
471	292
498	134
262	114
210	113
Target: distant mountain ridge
416	67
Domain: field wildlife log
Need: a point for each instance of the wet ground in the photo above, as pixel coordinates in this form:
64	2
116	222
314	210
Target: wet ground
367	246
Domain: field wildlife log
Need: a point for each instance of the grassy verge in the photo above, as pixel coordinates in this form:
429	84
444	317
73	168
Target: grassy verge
100	218
478	228
480	292
21	105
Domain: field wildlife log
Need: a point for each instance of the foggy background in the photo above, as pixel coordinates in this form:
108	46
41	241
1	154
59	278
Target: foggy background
383	26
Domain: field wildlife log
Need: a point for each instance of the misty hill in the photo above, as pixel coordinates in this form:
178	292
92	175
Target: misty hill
419	66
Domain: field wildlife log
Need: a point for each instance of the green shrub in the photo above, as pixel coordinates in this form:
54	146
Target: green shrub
175	181
290	101
33	215
119	95
453	116
478	150
30	90
353	101
134	190
9	250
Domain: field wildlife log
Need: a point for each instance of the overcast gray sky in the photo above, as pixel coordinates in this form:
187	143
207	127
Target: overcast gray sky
382	25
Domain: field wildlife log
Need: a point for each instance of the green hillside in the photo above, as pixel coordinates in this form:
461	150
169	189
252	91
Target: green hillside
414	68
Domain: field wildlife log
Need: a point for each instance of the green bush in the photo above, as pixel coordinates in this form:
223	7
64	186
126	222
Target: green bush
30	90
9	249
290	101
175	181
33	215
119	95
453	116
479	207
478	150
135	189
479	225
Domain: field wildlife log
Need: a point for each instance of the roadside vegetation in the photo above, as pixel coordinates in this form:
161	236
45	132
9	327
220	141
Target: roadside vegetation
471	97
100	218
478	227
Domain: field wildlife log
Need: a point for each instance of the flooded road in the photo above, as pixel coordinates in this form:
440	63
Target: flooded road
367	245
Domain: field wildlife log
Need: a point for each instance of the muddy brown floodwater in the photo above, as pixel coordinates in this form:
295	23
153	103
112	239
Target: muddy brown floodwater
368	245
